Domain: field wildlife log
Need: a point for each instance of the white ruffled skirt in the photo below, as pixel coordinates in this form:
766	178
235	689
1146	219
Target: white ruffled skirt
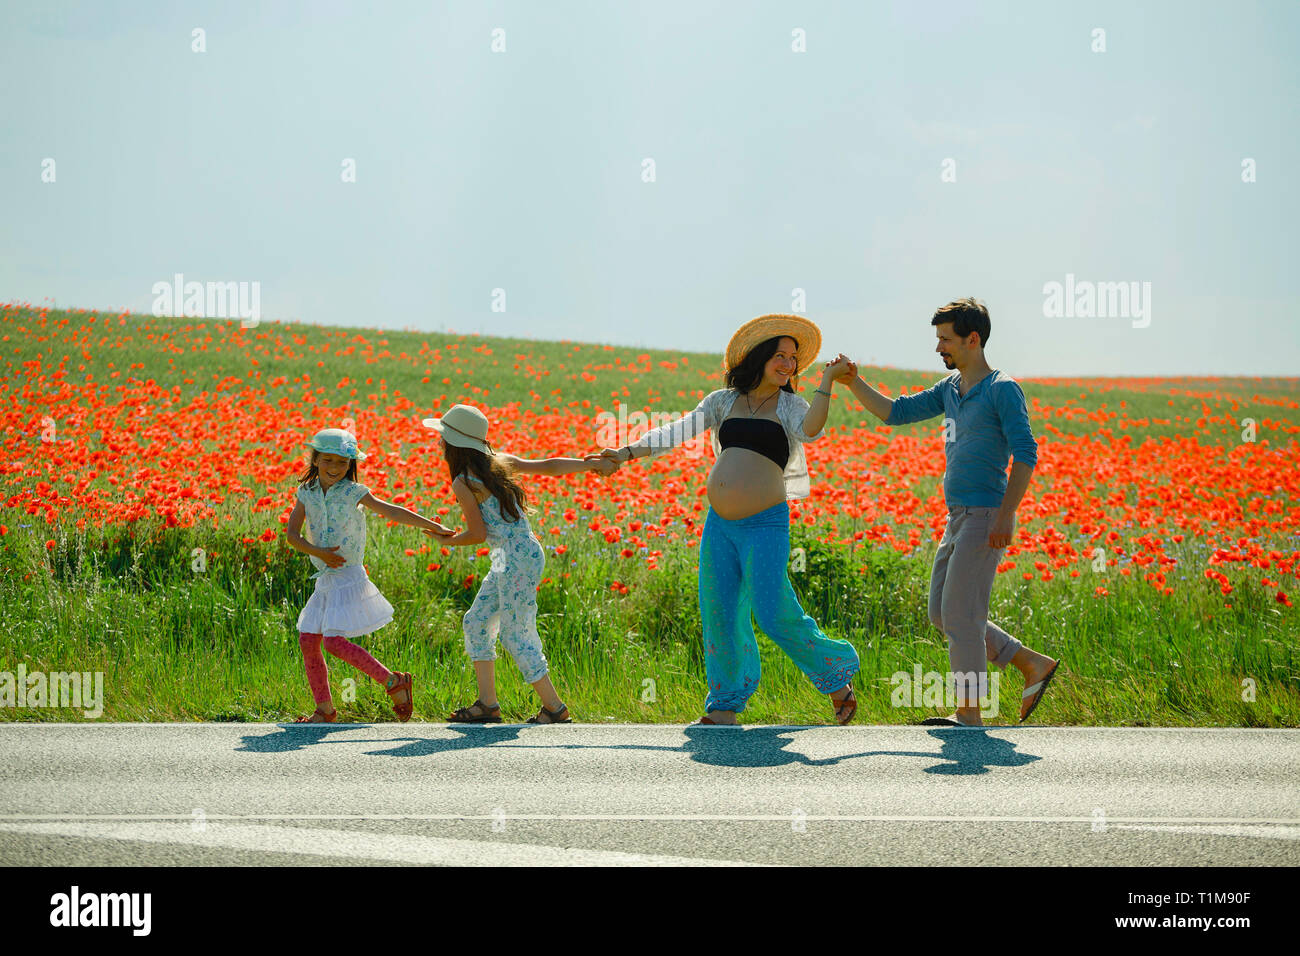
345	602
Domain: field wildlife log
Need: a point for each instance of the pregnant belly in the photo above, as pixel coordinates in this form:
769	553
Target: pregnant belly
743	483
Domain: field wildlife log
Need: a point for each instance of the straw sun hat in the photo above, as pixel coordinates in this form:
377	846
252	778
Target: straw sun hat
759	330
464	426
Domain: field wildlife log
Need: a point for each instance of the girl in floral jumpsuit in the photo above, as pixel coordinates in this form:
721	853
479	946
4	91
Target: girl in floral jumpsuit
506	603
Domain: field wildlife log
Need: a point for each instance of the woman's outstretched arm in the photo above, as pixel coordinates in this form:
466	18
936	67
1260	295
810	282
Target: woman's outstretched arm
671	434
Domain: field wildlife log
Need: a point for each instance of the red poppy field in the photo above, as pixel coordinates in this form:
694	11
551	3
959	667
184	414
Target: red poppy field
150	465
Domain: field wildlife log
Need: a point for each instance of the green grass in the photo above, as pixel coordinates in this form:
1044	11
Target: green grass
178	645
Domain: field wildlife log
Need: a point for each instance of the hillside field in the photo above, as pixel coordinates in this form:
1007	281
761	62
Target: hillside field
149	465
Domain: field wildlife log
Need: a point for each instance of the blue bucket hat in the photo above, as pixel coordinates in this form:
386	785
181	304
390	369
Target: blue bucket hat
336	441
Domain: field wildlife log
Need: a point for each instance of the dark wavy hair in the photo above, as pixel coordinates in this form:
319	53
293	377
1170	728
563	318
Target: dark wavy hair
312	471
747	374
496	475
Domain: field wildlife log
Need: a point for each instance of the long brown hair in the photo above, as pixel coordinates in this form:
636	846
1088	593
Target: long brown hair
312	471
747	374
496	475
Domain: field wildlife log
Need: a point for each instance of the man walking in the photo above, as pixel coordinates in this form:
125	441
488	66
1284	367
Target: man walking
985	424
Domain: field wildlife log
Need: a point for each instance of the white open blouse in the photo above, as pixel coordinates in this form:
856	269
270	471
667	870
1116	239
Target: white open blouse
714	407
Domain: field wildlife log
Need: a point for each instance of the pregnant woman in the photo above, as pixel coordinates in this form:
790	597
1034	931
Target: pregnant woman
758	426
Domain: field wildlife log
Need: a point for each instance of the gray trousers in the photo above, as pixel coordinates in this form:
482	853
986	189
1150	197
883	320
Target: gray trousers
960	585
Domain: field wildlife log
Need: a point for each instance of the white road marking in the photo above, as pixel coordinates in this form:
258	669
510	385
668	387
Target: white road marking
358	844
1198	822
1267	832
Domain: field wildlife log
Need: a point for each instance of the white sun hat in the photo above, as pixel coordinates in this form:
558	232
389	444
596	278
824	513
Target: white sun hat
464	426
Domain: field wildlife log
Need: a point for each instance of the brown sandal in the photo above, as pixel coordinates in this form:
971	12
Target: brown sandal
325	718
552	716
403	709
486	714
849	701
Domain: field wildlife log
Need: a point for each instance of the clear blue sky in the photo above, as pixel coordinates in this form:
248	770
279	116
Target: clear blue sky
775	170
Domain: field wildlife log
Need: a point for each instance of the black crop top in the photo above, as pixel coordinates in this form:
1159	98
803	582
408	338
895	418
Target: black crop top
762	435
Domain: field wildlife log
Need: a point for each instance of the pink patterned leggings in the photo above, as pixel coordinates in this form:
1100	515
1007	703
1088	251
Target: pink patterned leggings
318	674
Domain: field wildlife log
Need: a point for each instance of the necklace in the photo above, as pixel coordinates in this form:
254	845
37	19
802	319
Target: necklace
754	411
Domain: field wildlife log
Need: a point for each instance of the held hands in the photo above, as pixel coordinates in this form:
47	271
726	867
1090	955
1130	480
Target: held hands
330	557
601	463
439	530
842	369
615	455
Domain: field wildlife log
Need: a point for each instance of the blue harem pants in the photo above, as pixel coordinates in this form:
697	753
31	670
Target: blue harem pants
743	571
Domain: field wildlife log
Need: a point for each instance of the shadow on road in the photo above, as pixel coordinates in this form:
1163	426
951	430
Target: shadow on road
471	736
761	747
289	738
966	750
970	750
963	751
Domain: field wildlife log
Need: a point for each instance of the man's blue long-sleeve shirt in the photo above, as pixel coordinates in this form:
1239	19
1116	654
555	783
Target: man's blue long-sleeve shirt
990	423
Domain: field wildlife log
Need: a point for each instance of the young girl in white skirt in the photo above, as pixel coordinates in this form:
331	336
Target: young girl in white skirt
506	604
345	603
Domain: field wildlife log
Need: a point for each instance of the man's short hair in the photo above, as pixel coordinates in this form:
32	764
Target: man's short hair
967	316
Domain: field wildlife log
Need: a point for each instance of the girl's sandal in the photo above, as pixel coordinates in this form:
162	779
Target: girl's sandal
404	708
476	713
849	703
560	716
324	717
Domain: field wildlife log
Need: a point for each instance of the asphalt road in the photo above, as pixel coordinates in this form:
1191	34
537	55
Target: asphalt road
380	794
